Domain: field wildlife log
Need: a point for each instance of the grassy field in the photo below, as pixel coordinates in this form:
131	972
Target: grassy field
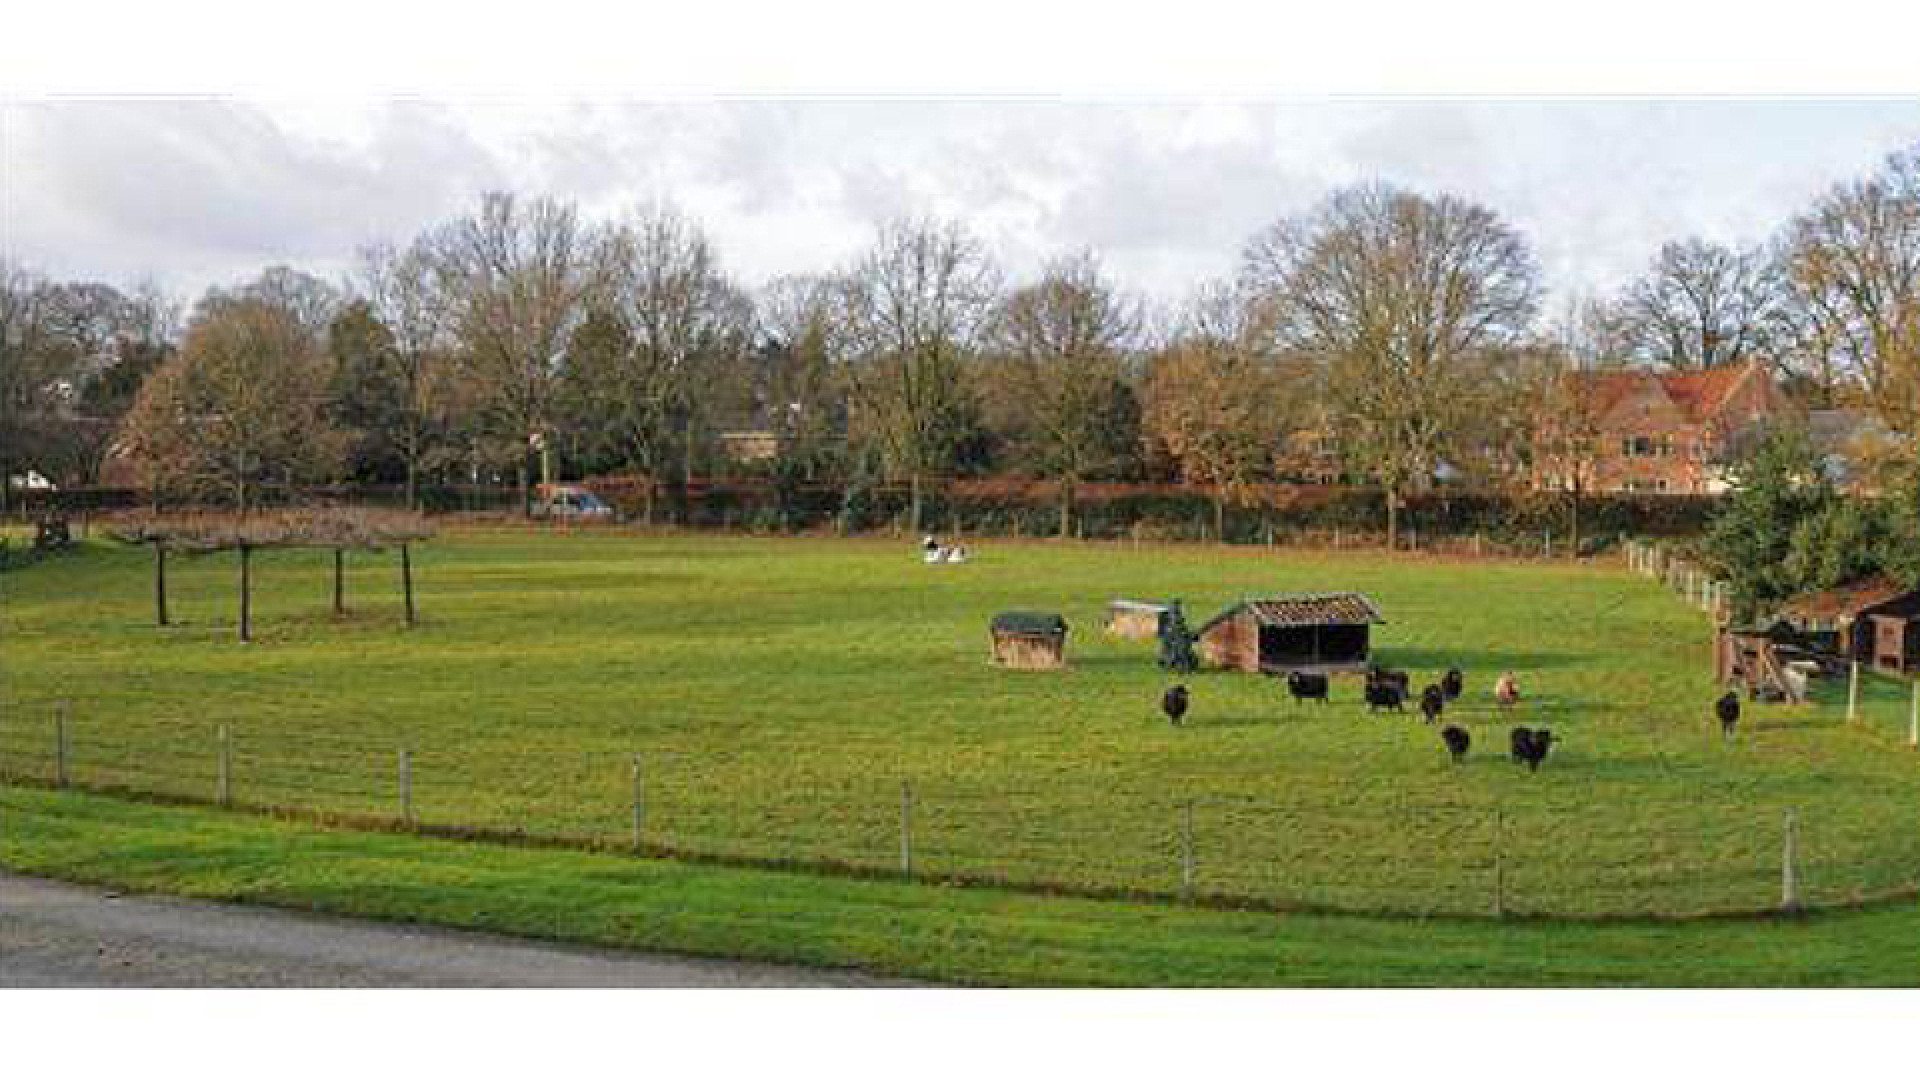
982	936
789	699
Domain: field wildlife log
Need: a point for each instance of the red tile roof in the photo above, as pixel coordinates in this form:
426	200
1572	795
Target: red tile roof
1698	394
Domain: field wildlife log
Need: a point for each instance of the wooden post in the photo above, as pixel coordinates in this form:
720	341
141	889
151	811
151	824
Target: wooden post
406	788
1789	881
225	793
60	745
1913	720
1188	857
160	582
246	592
406	580
906	828
1499	862
339	581
1853	692
640	804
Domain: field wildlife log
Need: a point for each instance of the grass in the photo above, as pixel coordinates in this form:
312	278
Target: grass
780	693
980	936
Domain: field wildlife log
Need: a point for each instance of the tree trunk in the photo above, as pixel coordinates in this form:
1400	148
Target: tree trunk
246	593
1066	509
339	582
1574	521
913	505
413	485
1220	517
160	583
406	580
526	490
1393	520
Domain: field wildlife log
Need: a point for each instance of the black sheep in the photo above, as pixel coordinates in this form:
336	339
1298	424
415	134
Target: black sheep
1433	702
1305	687
1537	745
1728	710
1396	679
1457	741
1383	695
1174	703
1453	683
1520	744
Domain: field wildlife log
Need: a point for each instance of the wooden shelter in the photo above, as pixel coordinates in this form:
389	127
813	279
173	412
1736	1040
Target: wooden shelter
1874	622
1029	641
1308	632
1134	620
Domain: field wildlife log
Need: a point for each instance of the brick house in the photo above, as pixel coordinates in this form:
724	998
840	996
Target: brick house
1663	432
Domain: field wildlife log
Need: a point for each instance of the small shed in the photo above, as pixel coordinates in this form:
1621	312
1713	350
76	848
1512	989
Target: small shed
1887	634
1134	620
1875	622
1308	632
1029	641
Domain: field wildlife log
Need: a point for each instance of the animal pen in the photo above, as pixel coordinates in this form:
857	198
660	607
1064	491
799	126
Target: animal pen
1316	633
1029	641
1134	620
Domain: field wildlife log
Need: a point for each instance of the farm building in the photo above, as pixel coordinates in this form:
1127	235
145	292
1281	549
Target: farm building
1875	622
1029	641
1312	632
1134	620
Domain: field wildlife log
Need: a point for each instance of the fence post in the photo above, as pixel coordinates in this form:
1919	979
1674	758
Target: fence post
1789	882
60	744
1188	857
639	803
906	828
406	787
1913	720
1499	861
1853	692
226	767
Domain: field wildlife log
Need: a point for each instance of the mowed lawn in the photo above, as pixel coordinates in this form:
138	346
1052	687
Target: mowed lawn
822	700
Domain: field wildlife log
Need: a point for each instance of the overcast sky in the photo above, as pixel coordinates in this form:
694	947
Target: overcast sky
194	192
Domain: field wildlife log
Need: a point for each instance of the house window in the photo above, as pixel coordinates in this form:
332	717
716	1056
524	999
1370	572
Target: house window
1637	446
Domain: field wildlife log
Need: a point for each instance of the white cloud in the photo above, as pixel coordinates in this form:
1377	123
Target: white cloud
198	191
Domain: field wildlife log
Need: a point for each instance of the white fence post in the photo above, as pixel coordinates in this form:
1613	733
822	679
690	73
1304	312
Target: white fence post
1853	692
1913	720
1789	881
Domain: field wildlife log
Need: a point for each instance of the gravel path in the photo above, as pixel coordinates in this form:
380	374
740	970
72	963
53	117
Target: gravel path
54	934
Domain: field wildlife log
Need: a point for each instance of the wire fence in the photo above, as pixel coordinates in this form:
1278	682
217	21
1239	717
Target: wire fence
1552	855
1689	580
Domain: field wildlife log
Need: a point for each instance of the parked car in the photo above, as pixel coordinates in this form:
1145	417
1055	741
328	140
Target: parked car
563	502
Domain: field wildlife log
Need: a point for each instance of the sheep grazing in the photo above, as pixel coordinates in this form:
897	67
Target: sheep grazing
1520	744
1384	695
1532	746
1396	679
1453	683
1174	704
1457	741
1305	687
1506	691
1433	702
1728	710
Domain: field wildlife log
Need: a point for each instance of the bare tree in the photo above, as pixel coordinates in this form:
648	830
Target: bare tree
313	302
1060	345
1219	400
1396	295
920	299
518	277
1701	305
1853	261
37	364
242	404
801	393
682	327
400	287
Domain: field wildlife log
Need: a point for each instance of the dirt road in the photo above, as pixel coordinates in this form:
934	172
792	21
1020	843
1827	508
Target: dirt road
53	934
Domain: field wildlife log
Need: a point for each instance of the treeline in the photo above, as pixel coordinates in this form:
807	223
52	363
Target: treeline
1388	339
